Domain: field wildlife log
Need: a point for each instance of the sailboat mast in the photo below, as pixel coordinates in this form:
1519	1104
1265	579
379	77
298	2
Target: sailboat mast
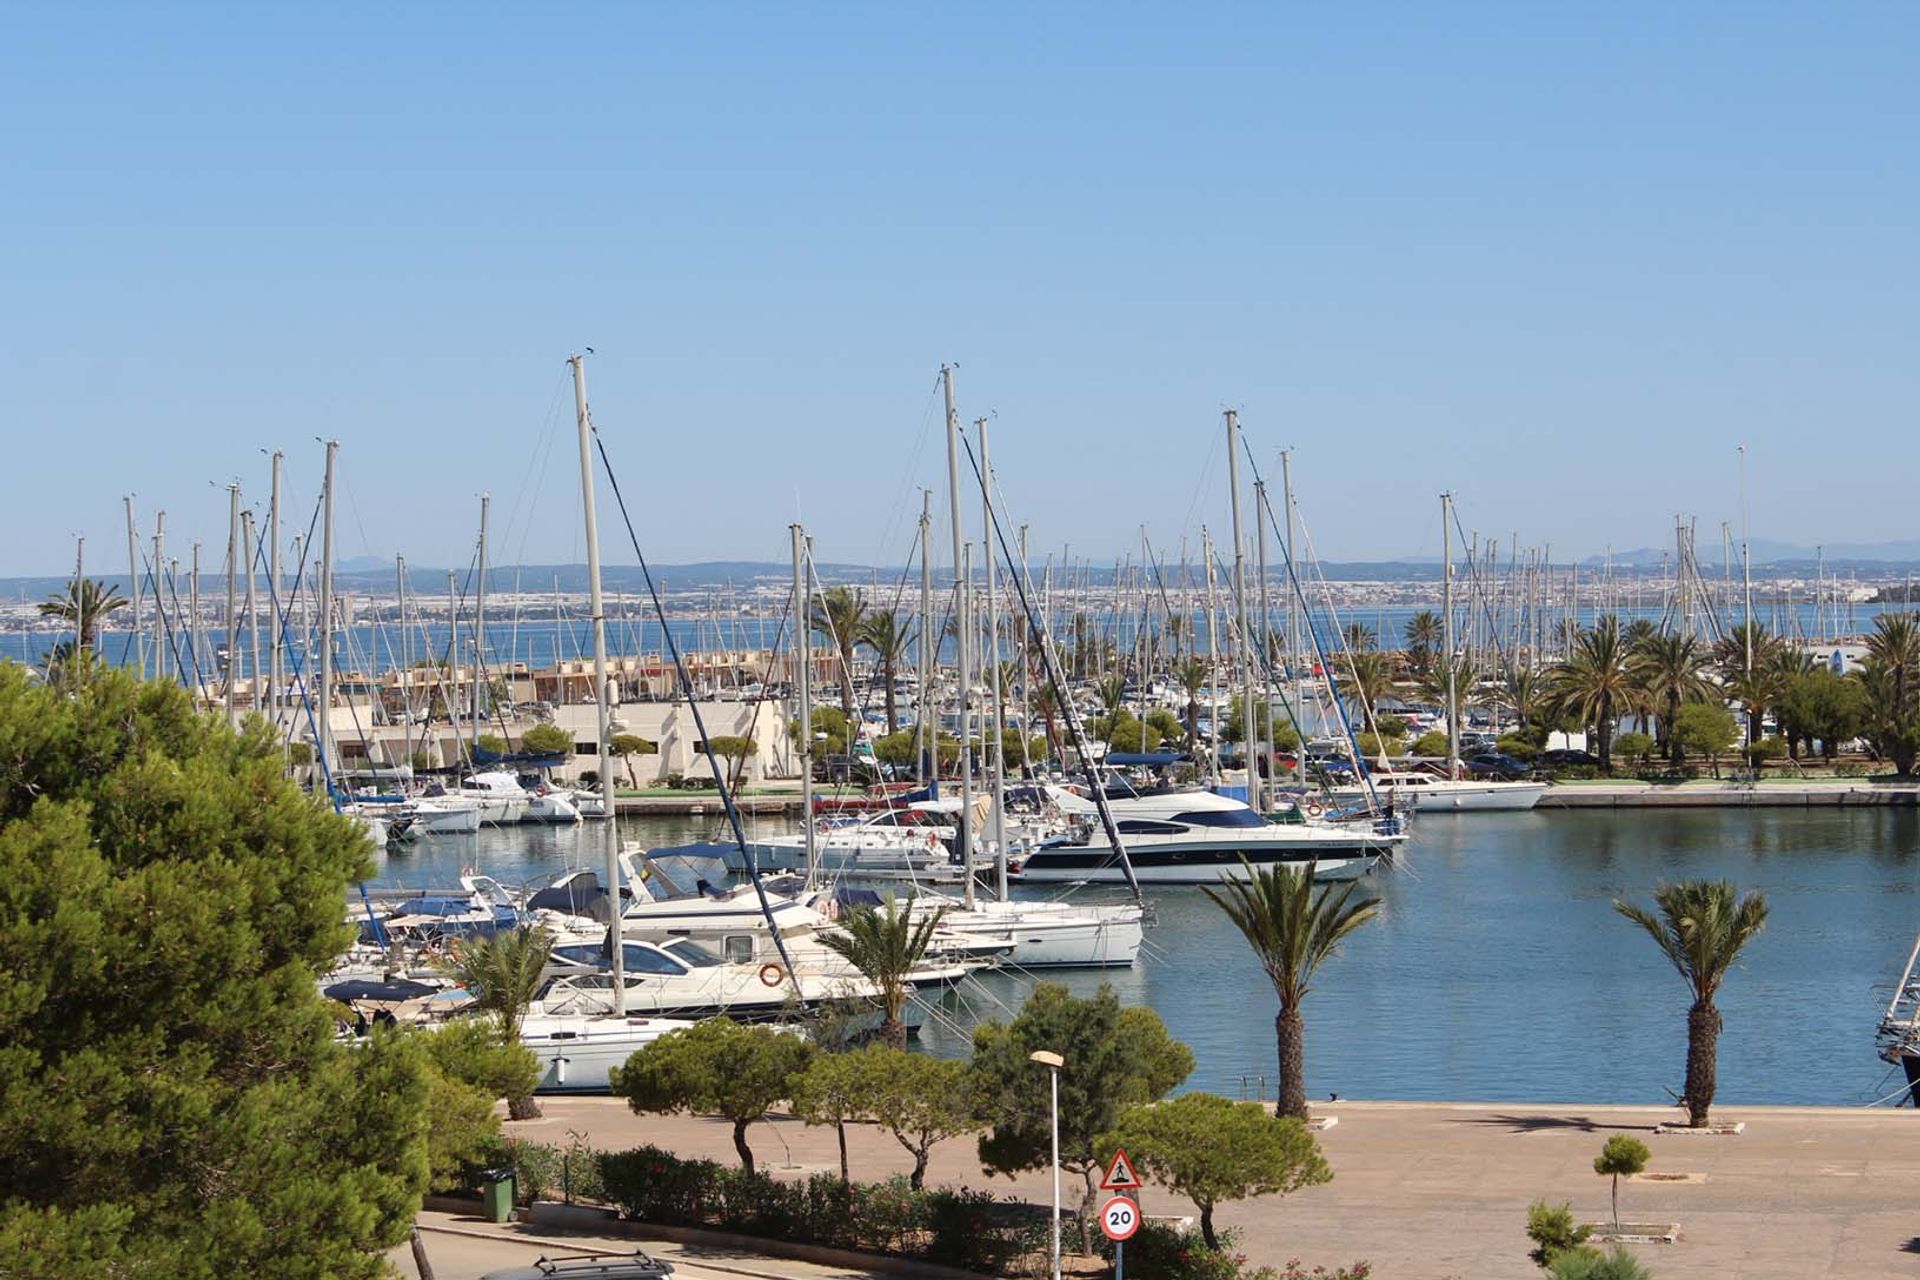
1293	617
596	607
929	648
133	592
406	658
1249	737
323	701
480	624
803	683
961	624
159	597
253	614
1213	660
275	588
1266	621
193	627
991	663
233	565
1446	632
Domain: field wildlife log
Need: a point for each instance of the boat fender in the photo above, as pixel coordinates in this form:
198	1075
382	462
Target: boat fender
1312	808
933	841
771	974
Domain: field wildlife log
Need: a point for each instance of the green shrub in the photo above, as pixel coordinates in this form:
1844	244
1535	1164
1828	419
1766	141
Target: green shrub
1430	743
1851	769
954	1227
1517	745
1634	747
1758	753
1553	1231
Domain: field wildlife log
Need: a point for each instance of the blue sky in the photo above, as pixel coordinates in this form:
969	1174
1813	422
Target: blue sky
1558	259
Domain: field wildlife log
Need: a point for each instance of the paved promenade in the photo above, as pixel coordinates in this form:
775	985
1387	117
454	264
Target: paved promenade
1426	1190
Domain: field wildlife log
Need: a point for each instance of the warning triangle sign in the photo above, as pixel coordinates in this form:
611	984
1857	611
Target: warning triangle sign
1120	1174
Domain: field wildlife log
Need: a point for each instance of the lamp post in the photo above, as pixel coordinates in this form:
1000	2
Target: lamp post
1053	1062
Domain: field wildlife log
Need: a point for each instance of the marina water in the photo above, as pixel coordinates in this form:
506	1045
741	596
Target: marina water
1498	969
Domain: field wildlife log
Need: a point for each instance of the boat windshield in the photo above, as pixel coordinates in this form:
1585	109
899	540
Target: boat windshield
1221	818
693	953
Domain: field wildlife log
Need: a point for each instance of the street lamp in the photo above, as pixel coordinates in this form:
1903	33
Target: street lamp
1053	1062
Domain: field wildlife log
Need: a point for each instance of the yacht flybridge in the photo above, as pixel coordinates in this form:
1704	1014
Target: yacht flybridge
1196	837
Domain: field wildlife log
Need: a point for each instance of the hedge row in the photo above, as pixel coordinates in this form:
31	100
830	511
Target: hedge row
959	1228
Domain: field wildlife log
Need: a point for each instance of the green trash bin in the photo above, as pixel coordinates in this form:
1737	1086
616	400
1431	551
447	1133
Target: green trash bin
496	1194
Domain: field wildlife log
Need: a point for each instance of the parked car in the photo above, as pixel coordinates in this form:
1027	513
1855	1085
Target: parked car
1496	764
1566	758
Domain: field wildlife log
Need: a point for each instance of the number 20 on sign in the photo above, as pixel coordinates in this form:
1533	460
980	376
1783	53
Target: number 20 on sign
1119	1218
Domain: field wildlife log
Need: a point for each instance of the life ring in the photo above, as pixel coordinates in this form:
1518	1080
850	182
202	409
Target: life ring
1312	808
771	974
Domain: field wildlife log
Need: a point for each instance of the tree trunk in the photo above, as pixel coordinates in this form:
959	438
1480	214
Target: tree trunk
1703	1047
1616	1204
918	1178
893	719
1290	1030
1086	1211
740	1145
893	1028
523	1108
840	1130
1206	1226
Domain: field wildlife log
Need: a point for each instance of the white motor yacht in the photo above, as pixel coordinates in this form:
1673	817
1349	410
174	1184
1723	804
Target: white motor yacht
685	980
1046	935
578	1052
1193	837
905	843
1426	793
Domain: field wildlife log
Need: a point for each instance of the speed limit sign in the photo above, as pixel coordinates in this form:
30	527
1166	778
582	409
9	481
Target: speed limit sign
1119	1218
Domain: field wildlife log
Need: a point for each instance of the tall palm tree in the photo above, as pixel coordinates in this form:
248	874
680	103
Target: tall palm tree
1369	678
86	603
1700	925
1890	678
1748	658
888	632
1293	928
502	973
1360	636
1668	670
838	614
1524	691
1423	634
885	945
1593	684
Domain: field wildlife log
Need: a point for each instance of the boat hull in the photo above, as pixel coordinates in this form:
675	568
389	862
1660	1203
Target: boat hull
1198	863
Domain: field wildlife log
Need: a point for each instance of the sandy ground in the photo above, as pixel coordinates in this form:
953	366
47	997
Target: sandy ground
1440	1190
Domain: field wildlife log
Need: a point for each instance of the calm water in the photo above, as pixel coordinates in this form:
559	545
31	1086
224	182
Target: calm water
1498	969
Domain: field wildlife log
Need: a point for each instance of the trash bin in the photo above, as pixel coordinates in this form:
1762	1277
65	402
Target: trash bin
496	1194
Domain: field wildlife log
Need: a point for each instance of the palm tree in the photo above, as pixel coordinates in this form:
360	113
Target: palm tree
885	946
1524	691
1423	633
1293	928
1890	677
887	632
1748	658
1113	697
1593	684
1667	669
502	973
1360	636
1700	925
85	604
838	614
1369	678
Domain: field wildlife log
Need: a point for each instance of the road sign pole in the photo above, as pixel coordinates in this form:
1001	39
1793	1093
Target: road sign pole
1119	1260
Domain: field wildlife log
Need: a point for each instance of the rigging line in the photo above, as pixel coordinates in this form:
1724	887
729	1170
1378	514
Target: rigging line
1473	583
1016	573
699	721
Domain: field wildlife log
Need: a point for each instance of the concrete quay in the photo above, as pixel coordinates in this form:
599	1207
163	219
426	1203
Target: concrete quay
1840	794
1428	1191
